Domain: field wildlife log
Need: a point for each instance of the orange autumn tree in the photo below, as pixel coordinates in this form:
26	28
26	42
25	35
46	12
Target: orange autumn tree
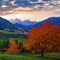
43	39
13	47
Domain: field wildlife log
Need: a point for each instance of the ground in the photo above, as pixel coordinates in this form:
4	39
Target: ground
23	56
29	56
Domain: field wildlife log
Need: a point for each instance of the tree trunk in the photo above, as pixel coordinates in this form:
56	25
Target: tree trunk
42	53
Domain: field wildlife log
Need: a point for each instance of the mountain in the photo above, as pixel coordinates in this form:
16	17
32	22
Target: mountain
25	22
25	27
28	22
15	21
54	20
5	24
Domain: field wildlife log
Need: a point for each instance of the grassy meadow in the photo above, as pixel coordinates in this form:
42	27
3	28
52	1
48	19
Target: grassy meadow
28	56
4	35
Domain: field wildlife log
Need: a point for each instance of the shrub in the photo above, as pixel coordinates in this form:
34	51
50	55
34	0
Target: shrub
13	48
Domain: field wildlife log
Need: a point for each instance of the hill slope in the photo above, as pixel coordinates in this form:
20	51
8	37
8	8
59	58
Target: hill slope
54	20
5	24
7	27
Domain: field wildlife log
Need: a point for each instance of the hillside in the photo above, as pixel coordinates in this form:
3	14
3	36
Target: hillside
25	27
9	28
5	24
54	20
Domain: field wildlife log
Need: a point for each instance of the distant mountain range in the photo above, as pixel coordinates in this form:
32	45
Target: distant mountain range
27	24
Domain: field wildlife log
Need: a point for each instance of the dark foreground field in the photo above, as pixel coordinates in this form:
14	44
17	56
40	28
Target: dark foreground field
28	56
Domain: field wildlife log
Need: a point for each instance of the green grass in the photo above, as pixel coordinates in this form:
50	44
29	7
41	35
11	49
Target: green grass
29	56
7	32
5	37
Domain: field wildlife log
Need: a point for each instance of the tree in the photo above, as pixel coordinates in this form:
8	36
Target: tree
13	47
5	44
43	39
21	46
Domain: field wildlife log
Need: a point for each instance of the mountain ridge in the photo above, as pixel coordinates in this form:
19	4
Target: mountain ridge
54	20
5	24
25	22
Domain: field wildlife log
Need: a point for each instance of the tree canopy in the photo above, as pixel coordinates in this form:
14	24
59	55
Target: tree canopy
44	39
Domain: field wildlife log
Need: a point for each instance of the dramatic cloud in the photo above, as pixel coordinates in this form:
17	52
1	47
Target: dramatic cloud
19	6
30	3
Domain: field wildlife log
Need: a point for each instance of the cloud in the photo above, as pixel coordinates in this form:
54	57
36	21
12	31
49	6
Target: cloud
34	0
12	2
9	6
30	3
4	6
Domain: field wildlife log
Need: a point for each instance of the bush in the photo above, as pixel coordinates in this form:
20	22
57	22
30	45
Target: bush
13	48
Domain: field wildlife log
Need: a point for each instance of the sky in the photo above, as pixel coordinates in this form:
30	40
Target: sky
35	10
